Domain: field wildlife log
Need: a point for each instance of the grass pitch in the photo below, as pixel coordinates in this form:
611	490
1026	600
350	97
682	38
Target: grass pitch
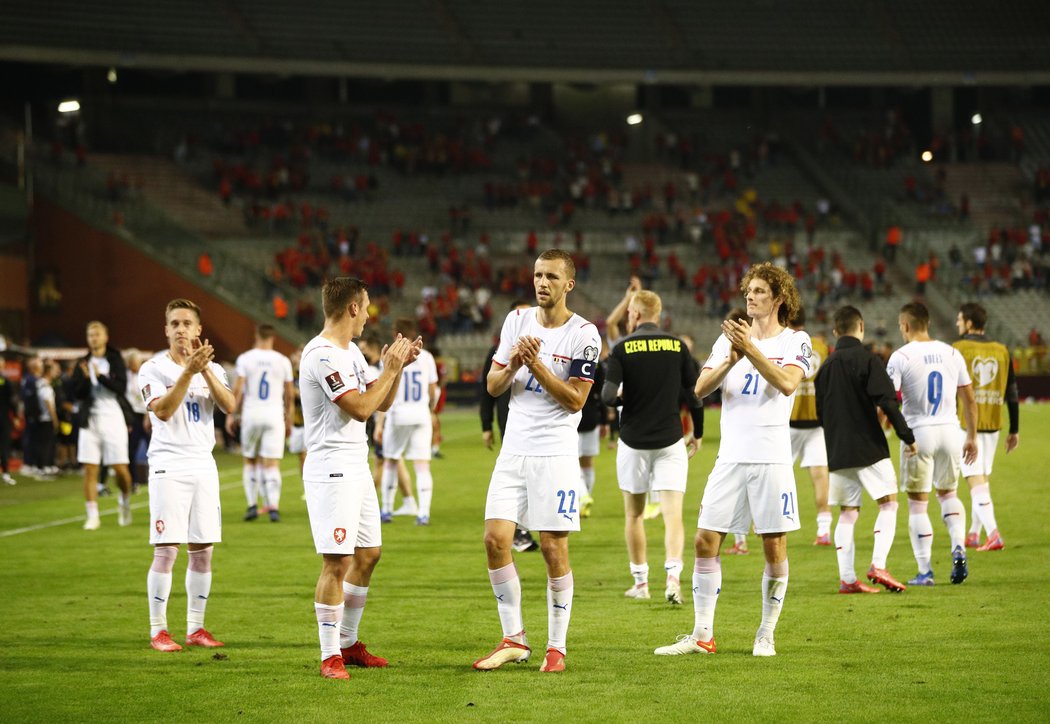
74	625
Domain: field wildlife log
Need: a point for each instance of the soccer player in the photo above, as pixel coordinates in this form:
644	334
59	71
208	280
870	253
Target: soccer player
98	385
928	374
546	357
339	394
851	383
992	371
182	389
498	408
758	366
405	430
652	453
807	439
264	395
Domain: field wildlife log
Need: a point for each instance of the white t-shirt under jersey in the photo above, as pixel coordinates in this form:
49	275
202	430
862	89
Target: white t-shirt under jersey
928	374
265	372
103	400
755	414
537	425
412	404
336	443
186	440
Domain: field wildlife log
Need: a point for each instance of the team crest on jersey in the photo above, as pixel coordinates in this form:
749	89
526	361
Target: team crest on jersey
145	393
985	370
335	382
590	353
159	525
339	534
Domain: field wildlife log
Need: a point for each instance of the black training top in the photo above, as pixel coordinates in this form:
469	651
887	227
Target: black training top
850	384
657	373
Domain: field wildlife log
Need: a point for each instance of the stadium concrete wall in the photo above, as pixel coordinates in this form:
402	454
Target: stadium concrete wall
100	276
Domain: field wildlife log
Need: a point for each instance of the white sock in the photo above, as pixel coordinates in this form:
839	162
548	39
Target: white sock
198	587
954	516
740	539
587	474
425	488
673	567
844	548
975	515
91	508
921	532
388	483
774	588
654	498
983	508
409	502
506	586
354	598
885	531
707	584
248	479
559	609
640	572
328	628
824	523
272	487
158	587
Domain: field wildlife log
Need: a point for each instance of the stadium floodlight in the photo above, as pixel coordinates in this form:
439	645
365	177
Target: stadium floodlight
634	119
69	106
111	76
976	119
927	156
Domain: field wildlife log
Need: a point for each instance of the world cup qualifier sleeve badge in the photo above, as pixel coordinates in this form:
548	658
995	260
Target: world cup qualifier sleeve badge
335	382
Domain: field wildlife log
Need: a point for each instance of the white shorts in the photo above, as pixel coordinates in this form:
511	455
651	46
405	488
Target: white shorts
739	494
537	493
590	443
344	516
184	507
642	471
986	444
407	442
937	463
845	485
103	442
808	443
297	440
262	434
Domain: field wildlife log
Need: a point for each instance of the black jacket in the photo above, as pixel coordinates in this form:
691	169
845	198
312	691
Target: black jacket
489	404
116	381
850	384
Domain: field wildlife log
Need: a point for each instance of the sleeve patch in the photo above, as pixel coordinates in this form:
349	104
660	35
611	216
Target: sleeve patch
335	382
146	393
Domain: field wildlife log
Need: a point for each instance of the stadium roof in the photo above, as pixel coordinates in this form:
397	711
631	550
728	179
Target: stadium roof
752	42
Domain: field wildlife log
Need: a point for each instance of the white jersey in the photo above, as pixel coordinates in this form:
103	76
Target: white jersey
132	395
928	374
186	440
412	404
265	373
336	443
755	414
103	400
537	424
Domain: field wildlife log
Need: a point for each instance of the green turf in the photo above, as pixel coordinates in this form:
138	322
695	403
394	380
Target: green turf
73	619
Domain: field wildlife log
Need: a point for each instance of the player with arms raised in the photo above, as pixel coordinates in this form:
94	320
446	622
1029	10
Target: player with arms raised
181	390
546	357
339	394
265	396
758	367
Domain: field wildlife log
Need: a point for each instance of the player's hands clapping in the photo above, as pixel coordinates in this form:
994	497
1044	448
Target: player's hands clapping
529	350
202	355
400	352
738	334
